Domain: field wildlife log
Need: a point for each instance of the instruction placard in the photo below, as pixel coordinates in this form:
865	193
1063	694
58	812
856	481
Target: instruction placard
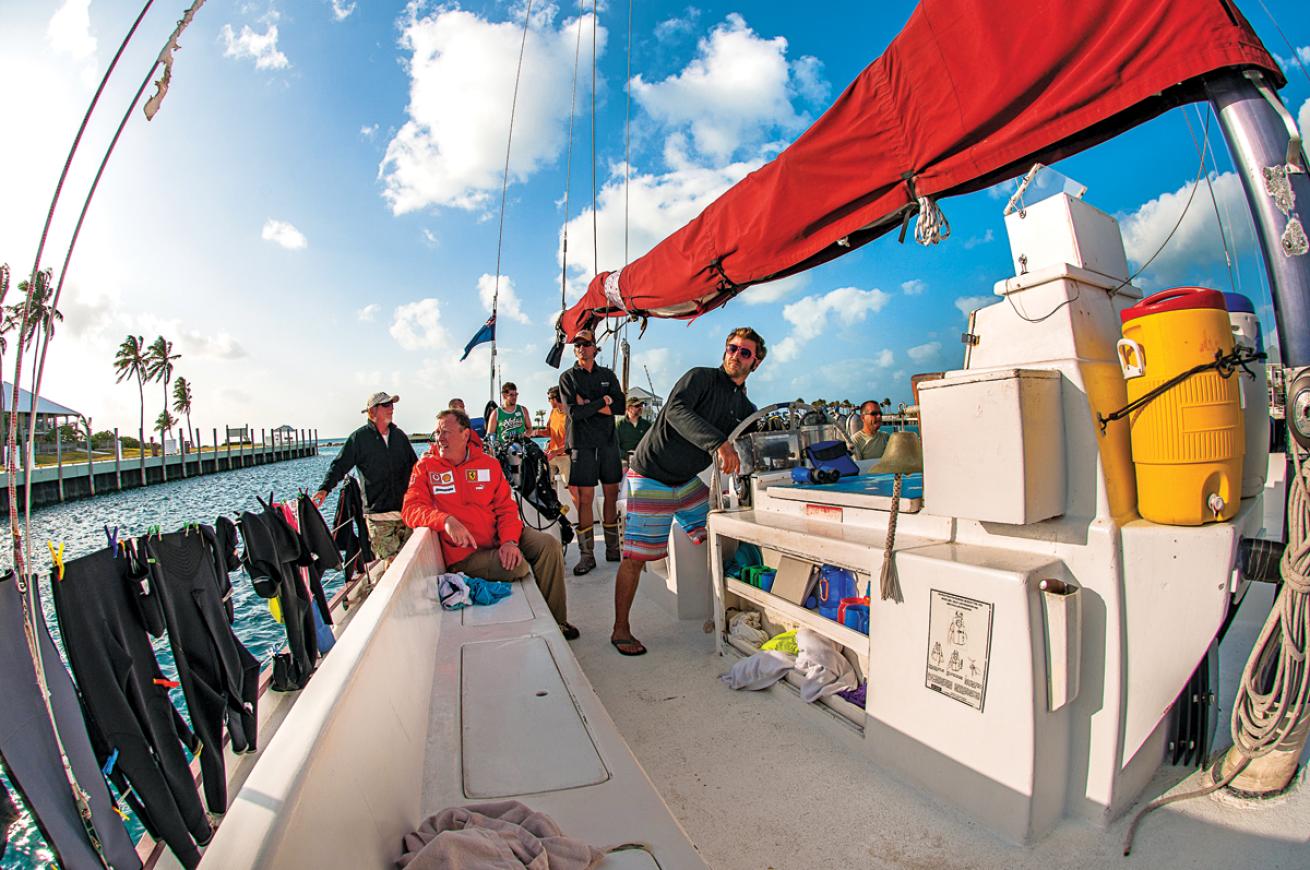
959	647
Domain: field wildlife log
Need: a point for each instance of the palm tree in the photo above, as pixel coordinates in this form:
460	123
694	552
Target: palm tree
164	423
130	362
182	403
159	367
33	316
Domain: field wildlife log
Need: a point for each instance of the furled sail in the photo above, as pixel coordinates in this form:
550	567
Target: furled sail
970	93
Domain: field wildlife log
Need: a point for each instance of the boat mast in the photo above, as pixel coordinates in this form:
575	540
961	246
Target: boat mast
1256	127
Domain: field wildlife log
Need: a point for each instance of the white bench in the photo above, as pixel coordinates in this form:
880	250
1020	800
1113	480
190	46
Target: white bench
417	709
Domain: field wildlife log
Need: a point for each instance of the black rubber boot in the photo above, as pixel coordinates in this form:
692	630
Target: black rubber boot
586	551
613	552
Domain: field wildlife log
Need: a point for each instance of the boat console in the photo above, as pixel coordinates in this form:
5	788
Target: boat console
1030	664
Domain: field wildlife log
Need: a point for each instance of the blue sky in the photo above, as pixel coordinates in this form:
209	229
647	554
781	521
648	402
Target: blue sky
313	214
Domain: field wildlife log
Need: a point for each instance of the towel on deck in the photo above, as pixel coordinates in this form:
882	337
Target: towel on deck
492	836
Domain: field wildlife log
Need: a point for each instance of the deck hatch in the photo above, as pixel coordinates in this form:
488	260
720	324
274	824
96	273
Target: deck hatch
520	729
515	608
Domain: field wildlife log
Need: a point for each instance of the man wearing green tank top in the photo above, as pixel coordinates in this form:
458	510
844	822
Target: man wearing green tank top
510	418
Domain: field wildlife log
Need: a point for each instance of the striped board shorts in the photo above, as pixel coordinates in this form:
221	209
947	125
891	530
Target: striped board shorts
652	507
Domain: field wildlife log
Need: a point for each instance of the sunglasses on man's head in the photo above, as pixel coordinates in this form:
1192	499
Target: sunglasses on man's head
583	343
737	349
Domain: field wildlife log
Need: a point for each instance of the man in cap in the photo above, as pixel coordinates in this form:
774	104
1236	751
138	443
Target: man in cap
384	458
593	394
663	481
631	427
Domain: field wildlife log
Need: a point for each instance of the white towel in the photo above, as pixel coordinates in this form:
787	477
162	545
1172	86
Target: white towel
823	668
759	671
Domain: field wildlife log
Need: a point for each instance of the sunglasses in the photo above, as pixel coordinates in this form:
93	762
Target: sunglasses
738	350
583	343
384	404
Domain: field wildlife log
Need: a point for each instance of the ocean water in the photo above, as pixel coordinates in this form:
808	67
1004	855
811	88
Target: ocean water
79	526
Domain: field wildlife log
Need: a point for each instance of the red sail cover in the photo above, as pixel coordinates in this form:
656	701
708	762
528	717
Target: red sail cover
970	93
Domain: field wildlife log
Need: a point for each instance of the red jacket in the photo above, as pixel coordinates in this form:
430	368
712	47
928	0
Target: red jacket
474	492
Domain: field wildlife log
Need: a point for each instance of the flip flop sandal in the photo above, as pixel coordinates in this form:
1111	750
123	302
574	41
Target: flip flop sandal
569	631
629	646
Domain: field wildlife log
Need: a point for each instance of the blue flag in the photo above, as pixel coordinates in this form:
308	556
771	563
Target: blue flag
485	334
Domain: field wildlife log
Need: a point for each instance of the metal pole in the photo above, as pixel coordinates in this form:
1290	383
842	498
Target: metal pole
118	462
263	446
141	454
250	432
1258	138
227	444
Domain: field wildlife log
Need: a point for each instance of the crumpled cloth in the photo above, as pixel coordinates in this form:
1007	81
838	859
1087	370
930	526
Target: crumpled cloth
857	696
455	591
785	642
823	668
748	626
758	671
498	835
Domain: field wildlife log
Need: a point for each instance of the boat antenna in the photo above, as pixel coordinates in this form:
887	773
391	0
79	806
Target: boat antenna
627	175
504	186
568	170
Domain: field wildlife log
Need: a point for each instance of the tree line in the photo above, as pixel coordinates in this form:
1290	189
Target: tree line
154	363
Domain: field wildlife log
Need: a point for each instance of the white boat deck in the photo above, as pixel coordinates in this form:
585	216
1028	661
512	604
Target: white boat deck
759	780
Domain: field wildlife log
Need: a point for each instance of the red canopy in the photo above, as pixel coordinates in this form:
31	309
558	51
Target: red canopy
970	93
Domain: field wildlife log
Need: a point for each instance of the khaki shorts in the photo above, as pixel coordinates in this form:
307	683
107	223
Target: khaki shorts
560	465
387	536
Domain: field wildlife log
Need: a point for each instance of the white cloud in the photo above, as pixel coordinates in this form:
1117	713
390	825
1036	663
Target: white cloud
968	304
508	303
658	204
69	31
284	234
430	238
974	241
217	346
809	316
674	27
417	326
885	359
1197	243
259	47
738	88
775	291
368	131
1289	65
922	353
368	313
342	10
913	287
451	151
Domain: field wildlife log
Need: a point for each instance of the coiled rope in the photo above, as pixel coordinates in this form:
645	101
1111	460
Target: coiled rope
932	226
1271	699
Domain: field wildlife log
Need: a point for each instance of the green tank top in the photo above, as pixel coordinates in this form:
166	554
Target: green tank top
510	423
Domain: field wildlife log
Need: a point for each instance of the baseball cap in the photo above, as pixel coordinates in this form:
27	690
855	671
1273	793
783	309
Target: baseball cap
635	400
378	399
585	335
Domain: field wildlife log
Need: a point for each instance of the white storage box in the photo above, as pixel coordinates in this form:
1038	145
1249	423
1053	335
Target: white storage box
1061	230
993	445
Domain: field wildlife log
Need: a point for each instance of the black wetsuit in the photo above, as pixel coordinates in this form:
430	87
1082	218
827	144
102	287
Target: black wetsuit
213	666
126	698
351	531
272	555
31	755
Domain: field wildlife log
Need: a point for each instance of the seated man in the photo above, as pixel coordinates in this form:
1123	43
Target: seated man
870	441
460	493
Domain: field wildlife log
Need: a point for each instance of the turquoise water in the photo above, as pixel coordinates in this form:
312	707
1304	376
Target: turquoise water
80	527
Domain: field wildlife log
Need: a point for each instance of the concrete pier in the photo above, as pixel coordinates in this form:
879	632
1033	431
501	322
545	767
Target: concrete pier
73	477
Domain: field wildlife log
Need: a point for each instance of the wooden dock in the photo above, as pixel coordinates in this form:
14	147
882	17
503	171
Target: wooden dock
77	476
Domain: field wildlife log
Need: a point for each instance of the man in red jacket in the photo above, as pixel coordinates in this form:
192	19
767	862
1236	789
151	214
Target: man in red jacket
460	493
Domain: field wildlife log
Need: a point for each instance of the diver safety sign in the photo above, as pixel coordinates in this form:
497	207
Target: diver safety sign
959	647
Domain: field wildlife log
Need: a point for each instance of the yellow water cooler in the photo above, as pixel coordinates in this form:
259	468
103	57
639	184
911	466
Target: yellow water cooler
1188	442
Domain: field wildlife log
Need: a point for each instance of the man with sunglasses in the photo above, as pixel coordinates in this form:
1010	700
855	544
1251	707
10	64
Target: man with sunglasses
663	477
593	394
870	441
384	458
511	418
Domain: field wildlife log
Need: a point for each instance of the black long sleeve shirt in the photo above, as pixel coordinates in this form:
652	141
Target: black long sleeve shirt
384	466
703	409
590	427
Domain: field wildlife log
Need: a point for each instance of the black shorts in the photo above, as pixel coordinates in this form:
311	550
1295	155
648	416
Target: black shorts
596	464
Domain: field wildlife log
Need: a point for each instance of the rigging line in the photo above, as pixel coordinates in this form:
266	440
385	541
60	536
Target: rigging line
627	136
595	238
1291	48
1209	183
1228	217
504	186
568	171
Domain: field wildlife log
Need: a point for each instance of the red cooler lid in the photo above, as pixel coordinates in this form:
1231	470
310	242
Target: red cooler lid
1177	299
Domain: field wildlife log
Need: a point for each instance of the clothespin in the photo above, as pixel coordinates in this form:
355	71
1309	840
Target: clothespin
57	556
167	684
113	539
109	764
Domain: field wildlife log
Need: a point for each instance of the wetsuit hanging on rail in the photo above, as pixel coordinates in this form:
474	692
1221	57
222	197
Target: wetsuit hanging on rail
210	664
134	726
30	753
272	550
